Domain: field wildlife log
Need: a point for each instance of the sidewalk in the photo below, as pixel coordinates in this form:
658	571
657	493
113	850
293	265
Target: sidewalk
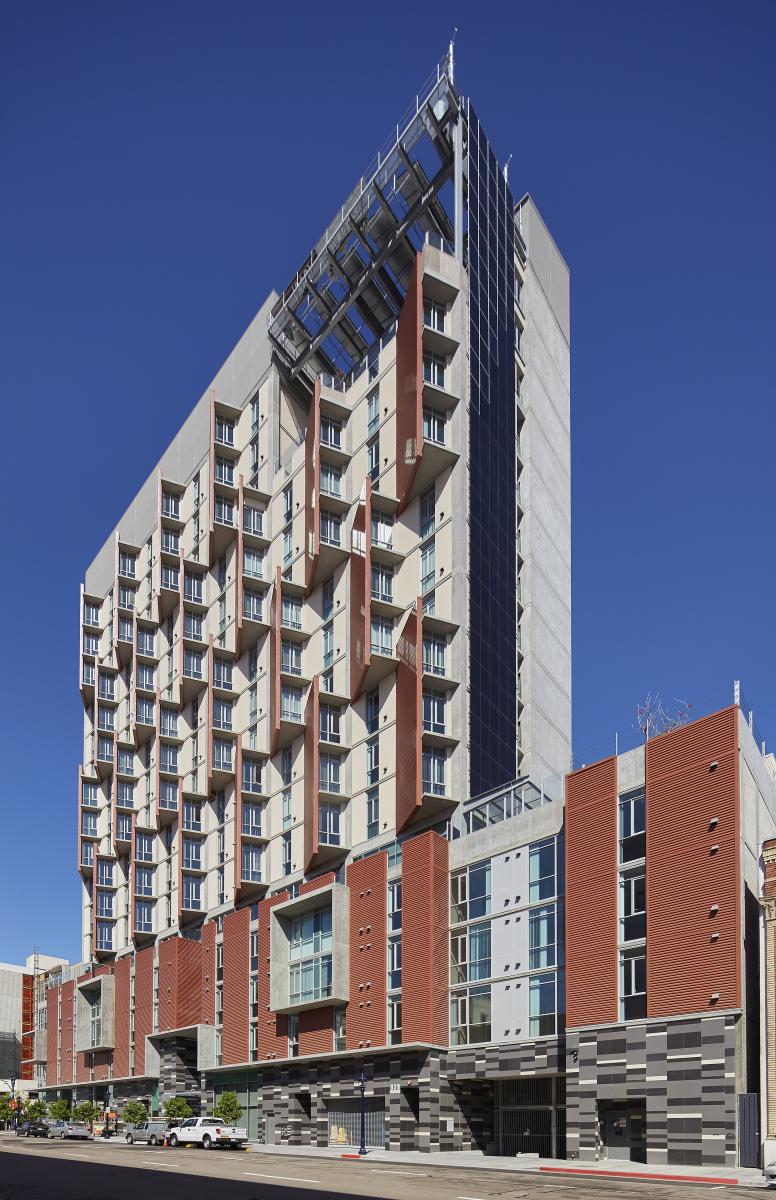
476	1160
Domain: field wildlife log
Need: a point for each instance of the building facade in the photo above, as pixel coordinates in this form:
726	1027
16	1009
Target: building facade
22	1019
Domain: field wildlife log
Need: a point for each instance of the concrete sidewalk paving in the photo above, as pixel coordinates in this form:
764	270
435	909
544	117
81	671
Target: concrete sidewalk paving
475	1159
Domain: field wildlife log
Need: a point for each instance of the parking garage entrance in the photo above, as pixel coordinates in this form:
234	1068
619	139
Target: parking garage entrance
530	1116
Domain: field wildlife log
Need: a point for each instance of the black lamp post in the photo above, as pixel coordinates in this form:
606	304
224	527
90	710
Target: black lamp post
15	1117
362	1087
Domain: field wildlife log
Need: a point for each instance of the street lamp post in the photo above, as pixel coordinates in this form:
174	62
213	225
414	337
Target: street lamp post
362	1087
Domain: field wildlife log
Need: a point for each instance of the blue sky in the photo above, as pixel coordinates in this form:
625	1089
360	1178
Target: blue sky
166	165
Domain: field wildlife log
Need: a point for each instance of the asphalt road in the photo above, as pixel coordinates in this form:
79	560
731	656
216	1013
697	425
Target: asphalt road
41	1170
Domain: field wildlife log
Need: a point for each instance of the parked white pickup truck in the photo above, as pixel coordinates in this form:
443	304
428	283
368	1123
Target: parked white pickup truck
207	1132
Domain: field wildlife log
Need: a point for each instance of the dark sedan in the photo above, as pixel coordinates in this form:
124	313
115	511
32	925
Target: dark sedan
32	1129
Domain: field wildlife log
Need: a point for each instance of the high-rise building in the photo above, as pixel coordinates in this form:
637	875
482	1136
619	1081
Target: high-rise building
22	1019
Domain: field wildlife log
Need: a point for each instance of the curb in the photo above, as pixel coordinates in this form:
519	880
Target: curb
715	1179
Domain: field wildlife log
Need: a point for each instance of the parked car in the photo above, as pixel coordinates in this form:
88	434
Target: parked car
770	1174
207	1132
150	1132
32	1129
69	1129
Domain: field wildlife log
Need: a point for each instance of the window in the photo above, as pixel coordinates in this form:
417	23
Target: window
470	893
251	864
104	935
92	642
382	583
126	763
88	673
192	816
222	714
123	827
470	1016
224	510
145	677
291	704
329	724
546	1003
251	819
253	604
433	426
105	749
434	369
328	824
288	503
373	459
291	658
434	653
222	674
145	711
633	984
633	838
434	761
107	718
329	773
340	1040
87	854
144	881
171	541
372	411
225	471
434	712
144	847
394	1020
251	775
427	566
470	954
168	722
168	759
286	763
224	431
126	597
192	626
394	963
372	812
126	794
633	906
286	849
127	564
171	506
543	942
310	943
433	315
382	635
253	520
104	873
192	664
125	633
382	530
253	563
192	893
145	641
143	917
330	527
373	761
222	754
293	1035
91	613
88	824
192	588
331	433
287	814
328	644
192	854
544	870
168	793
331	480
291	612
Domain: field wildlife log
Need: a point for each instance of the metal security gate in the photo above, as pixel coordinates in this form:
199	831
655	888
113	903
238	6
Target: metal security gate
748	1129
528	1119
345	1122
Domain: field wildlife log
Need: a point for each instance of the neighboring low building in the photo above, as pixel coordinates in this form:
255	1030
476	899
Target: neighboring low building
22	1036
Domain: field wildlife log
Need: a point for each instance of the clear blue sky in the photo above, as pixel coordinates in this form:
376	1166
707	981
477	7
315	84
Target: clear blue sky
165	165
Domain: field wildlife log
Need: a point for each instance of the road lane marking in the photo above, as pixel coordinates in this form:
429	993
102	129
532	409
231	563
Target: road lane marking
288	1178
70	1154
469	1198
389	1171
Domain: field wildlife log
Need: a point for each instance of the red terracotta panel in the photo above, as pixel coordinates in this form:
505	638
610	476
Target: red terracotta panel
312	885
189	994
144	1004
316	1031
366	1017
361	591
685	876
82	1069
273	1027
234	1037
275	649
101	1065
52	1035
591	894
425	951
167	977
409	384
311	725
122	992
312	478
409	720
66	1058
208	978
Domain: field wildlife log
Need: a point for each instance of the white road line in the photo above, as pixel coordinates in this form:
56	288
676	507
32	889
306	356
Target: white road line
469	1198
288	1178
71	1155
389	1171
154	1162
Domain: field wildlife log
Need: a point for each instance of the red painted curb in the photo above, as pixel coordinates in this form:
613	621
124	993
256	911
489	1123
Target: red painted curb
642	1175
357	1157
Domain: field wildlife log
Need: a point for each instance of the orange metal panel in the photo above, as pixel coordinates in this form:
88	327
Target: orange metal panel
144	1004
311	725
316	1031
366	1018
234	1038
121	974
409	720
409	384
425	949
273	1027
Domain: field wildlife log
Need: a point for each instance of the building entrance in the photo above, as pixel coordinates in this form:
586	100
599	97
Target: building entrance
623	1132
